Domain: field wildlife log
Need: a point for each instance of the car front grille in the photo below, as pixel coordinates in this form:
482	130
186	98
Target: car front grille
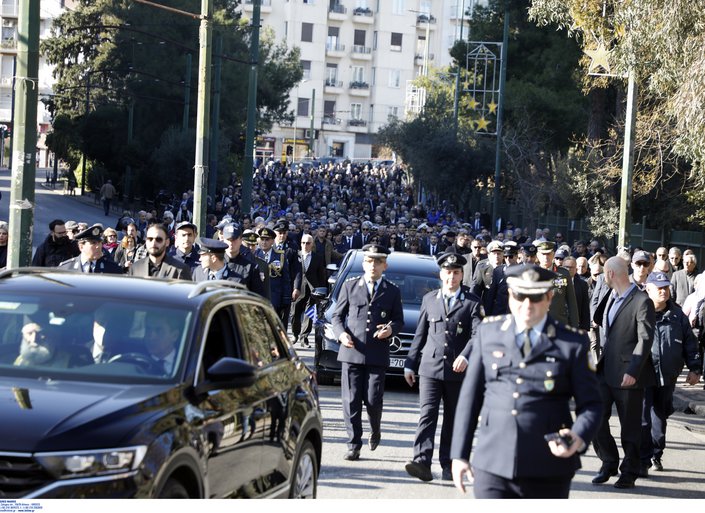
19	475
401	345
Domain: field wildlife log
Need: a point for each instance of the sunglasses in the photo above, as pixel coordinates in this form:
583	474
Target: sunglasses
157	239
534	298
642	264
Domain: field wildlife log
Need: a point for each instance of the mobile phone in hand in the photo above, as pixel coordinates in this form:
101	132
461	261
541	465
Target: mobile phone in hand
564	440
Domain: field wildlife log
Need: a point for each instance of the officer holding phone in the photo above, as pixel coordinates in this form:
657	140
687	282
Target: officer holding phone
523	371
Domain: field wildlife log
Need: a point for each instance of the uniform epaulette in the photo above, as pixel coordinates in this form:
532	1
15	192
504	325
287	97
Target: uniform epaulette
576	330
352	279
493	318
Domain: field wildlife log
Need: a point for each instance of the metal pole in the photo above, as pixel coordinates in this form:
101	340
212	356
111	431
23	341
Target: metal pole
12	115
312	135
625	201
187	93
83	159
200	181
128	169
215	117
456	100
500	114
251	111
25	112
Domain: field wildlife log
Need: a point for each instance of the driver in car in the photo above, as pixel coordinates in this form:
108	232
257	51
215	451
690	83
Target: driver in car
37	348
162	332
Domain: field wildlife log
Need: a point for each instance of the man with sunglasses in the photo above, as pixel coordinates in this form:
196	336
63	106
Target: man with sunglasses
564	306
524	369
157	264
311	274
641	267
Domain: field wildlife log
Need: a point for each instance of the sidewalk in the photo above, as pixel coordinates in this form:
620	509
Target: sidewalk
689	399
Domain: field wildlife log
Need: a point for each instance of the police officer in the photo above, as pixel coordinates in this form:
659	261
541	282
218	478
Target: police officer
279	282
91	259
241	266
290	247
369	312
185	248
497	297
564	306
248	248
527	253
439	353
212	255
674	344
524	369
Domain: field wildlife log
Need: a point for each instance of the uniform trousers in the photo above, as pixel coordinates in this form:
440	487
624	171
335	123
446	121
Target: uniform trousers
492	486
431	393
361	384
658	406
629	403
300	323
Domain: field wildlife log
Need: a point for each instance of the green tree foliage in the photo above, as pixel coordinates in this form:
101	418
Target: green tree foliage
130	52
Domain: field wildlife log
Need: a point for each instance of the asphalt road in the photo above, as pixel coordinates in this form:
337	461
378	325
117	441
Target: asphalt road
381	475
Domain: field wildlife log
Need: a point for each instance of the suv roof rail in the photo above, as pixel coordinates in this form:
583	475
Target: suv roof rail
14	271
204	286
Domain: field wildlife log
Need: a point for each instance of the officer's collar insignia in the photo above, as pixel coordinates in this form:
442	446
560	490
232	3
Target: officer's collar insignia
551	331
384	314
530	275
452	259
548	384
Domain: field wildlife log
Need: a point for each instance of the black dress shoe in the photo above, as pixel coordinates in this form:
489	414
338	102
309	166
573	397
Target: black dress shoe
419	470
657	464
447	475
603	476
624	481
352	455
644	471
373	441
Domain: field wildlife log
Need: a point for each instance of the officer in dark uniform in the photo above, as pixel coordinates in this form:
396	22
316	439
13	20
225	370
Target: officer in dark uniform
439	353
91	259
369	312
290	247
497	297
564	306
241	265
213	267
527	254
279	282
524	369
248	248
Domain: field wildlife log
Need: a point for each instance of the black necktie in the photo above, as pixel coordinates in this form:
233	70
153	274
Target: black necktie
526	343
91	267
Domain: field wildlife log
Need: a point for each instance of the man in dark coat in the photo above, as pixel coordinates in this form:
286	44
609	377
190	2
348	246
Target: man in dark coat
185	248
279	281
564	307
581	292
157	264
91	259
368	314
439	354
624	369
524	370
241	263
56	248
311	274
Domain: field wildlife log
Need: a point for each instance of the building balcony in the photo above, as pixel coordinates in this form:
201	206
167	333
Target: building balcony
357	125
8	44
424	20
361	52
363	15
359	88
333	86
265	6
337	12
335	50
331	122
419	57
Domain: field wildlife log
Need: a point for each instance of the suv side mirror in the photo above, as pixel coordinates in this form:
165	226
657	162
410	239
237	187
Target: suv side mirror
229	373
320	292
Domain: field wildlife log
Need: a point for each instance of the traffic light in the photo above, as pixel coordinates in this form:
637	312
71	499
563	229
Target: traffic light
289	150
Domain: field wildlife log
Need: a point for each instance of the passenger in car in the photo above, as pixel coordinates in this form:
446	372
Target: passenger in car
38	347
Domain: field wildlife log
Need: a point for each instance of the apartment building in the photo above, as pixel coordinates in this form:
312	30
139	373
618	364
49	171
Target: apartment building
359	58
9	12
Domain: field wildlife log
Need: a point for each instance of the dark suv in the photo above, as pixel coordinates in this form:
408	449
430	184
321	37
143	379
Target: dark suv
119	387
415	275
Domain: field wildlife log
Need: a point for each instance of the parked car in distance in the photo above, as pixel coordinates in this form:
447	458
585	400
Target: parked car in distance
117	387
415	275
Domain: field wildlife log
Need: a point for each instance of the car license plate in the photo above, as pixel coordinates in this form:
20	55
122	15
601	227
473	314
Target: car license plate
396	362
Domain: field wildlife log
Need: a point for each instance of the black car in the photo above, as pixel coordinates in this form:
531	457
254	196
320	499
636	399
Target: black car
415	275
117	387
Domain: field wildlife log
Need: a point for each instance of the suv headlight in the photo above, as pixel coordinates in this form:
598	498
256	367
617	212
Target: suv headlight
73	464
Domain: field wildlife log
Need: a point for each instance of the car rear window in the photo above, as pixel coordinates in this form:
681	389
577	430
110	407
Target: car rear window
90	338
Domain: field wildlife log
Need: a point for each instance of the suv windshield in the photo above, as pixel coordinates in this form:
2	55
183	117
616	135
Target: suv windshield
91	339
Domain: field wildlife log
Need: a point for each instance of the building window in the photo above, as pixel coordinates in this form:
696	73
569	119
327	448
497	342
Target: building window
306	67
332	75
307	32
394	78
358	74
392	112
310	2
359	39
396	42
399	7
302	108
329	112
355	111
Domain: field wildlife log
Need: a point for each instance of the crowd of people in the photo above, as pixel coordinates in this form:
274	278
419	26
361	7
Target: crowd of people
639	314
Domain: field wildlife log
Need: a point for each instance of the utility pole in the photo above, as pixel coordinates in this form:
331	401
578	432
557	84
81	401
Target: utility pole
25	133
251	111
87	109
215	117
456	99
625	200
312	134
500	115
187	93
200	182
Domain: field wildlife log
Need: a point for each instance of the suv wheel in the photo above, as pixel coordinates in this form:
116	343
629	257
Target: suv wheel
304	479
173	489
